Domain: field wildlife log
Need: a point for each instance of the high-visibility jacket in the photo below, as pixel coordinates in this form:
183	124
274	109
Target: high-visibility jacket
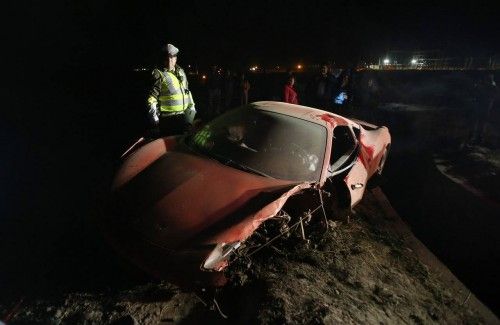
170	91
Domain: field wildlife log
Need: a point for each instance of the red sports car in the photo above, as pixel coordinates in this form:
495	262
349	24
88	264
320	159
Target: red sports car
185	207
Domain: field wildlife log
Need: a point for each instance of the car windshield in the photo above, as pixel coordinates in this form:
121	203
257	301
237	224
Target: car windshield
266	143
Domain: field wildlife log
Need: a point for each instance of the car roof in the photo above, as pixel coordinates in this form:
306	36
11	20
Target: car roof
325	118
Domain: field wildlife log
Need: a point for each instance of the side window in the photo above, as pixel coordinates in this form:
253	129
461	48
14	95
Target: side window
342	146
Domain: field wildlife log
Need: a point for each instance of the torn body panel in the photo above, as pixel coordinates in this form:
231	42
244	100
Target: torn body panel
179	207
244	228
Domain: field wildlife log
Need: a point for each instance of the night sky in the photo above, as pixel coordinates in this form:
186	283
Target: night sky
128	34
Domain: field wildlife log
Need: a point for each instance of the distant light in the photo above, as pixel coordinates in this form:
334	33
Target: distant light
189	65
299	66
414	61
203	77
387	61
254	68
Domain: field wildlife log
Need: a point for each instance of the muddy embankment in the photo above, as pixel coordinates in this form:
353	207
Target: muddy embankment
361	270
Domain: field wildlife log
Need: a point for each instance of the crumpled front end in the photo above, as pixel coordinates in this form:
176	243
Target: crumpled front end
180	215
231	239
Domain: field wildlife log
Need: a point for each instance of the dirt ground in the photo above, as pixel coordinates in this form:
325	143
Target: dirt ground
354	272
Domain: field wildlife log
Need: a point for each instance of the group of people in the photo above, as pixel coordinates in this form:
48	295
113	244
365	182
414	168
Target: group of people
172	108
328	90
224	89
171	105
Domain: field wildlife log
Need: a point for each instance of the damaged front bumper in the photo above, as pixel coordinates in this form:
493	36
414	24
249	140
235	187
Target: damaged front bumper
219	258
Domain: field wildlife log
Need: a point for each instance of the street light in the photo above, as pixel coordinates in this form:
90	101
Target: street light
387	61
413	61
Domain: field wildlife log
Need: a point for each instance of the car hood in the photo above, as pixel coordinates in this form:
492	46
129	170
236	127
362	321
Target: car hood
182	199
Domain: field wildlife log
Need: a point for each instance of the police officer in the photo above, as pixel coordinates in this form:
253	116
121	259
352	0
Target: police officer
171	104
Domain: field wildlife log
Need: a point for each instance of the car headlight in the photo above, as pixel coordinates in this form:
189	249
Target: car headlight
218	258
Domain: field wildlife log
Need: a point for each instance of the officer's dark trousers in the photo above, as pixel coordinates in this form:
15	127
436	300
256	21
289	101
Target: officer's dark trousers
172	124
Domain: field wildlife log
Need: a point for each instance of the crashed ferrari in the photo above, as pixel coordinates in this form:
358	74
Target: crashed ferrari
186	207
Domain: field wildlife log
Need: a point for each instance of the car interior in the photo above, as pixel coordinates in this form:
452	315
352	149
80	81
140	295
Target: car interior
343	147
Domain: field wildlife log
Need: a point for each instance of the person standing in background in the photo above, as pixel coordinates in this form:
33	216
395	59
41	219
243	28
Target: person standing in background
485	93
228	90
214	92
244	89
342	96
319	90
290	94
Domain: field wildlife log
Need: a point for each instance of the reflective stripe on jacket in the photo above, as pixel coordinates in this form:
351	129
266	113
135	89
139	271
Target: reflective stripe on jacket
170	91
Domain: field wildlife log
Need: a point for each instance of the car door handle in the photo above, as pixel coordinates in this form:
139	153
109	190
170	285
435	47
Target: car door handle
357	186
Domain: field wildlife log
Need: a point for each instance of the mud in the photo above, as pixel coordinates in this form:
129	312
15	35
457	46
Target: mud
354	272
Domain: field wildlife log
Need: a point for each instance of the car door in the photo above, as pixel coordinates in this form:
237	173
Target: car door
356	181
345	158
